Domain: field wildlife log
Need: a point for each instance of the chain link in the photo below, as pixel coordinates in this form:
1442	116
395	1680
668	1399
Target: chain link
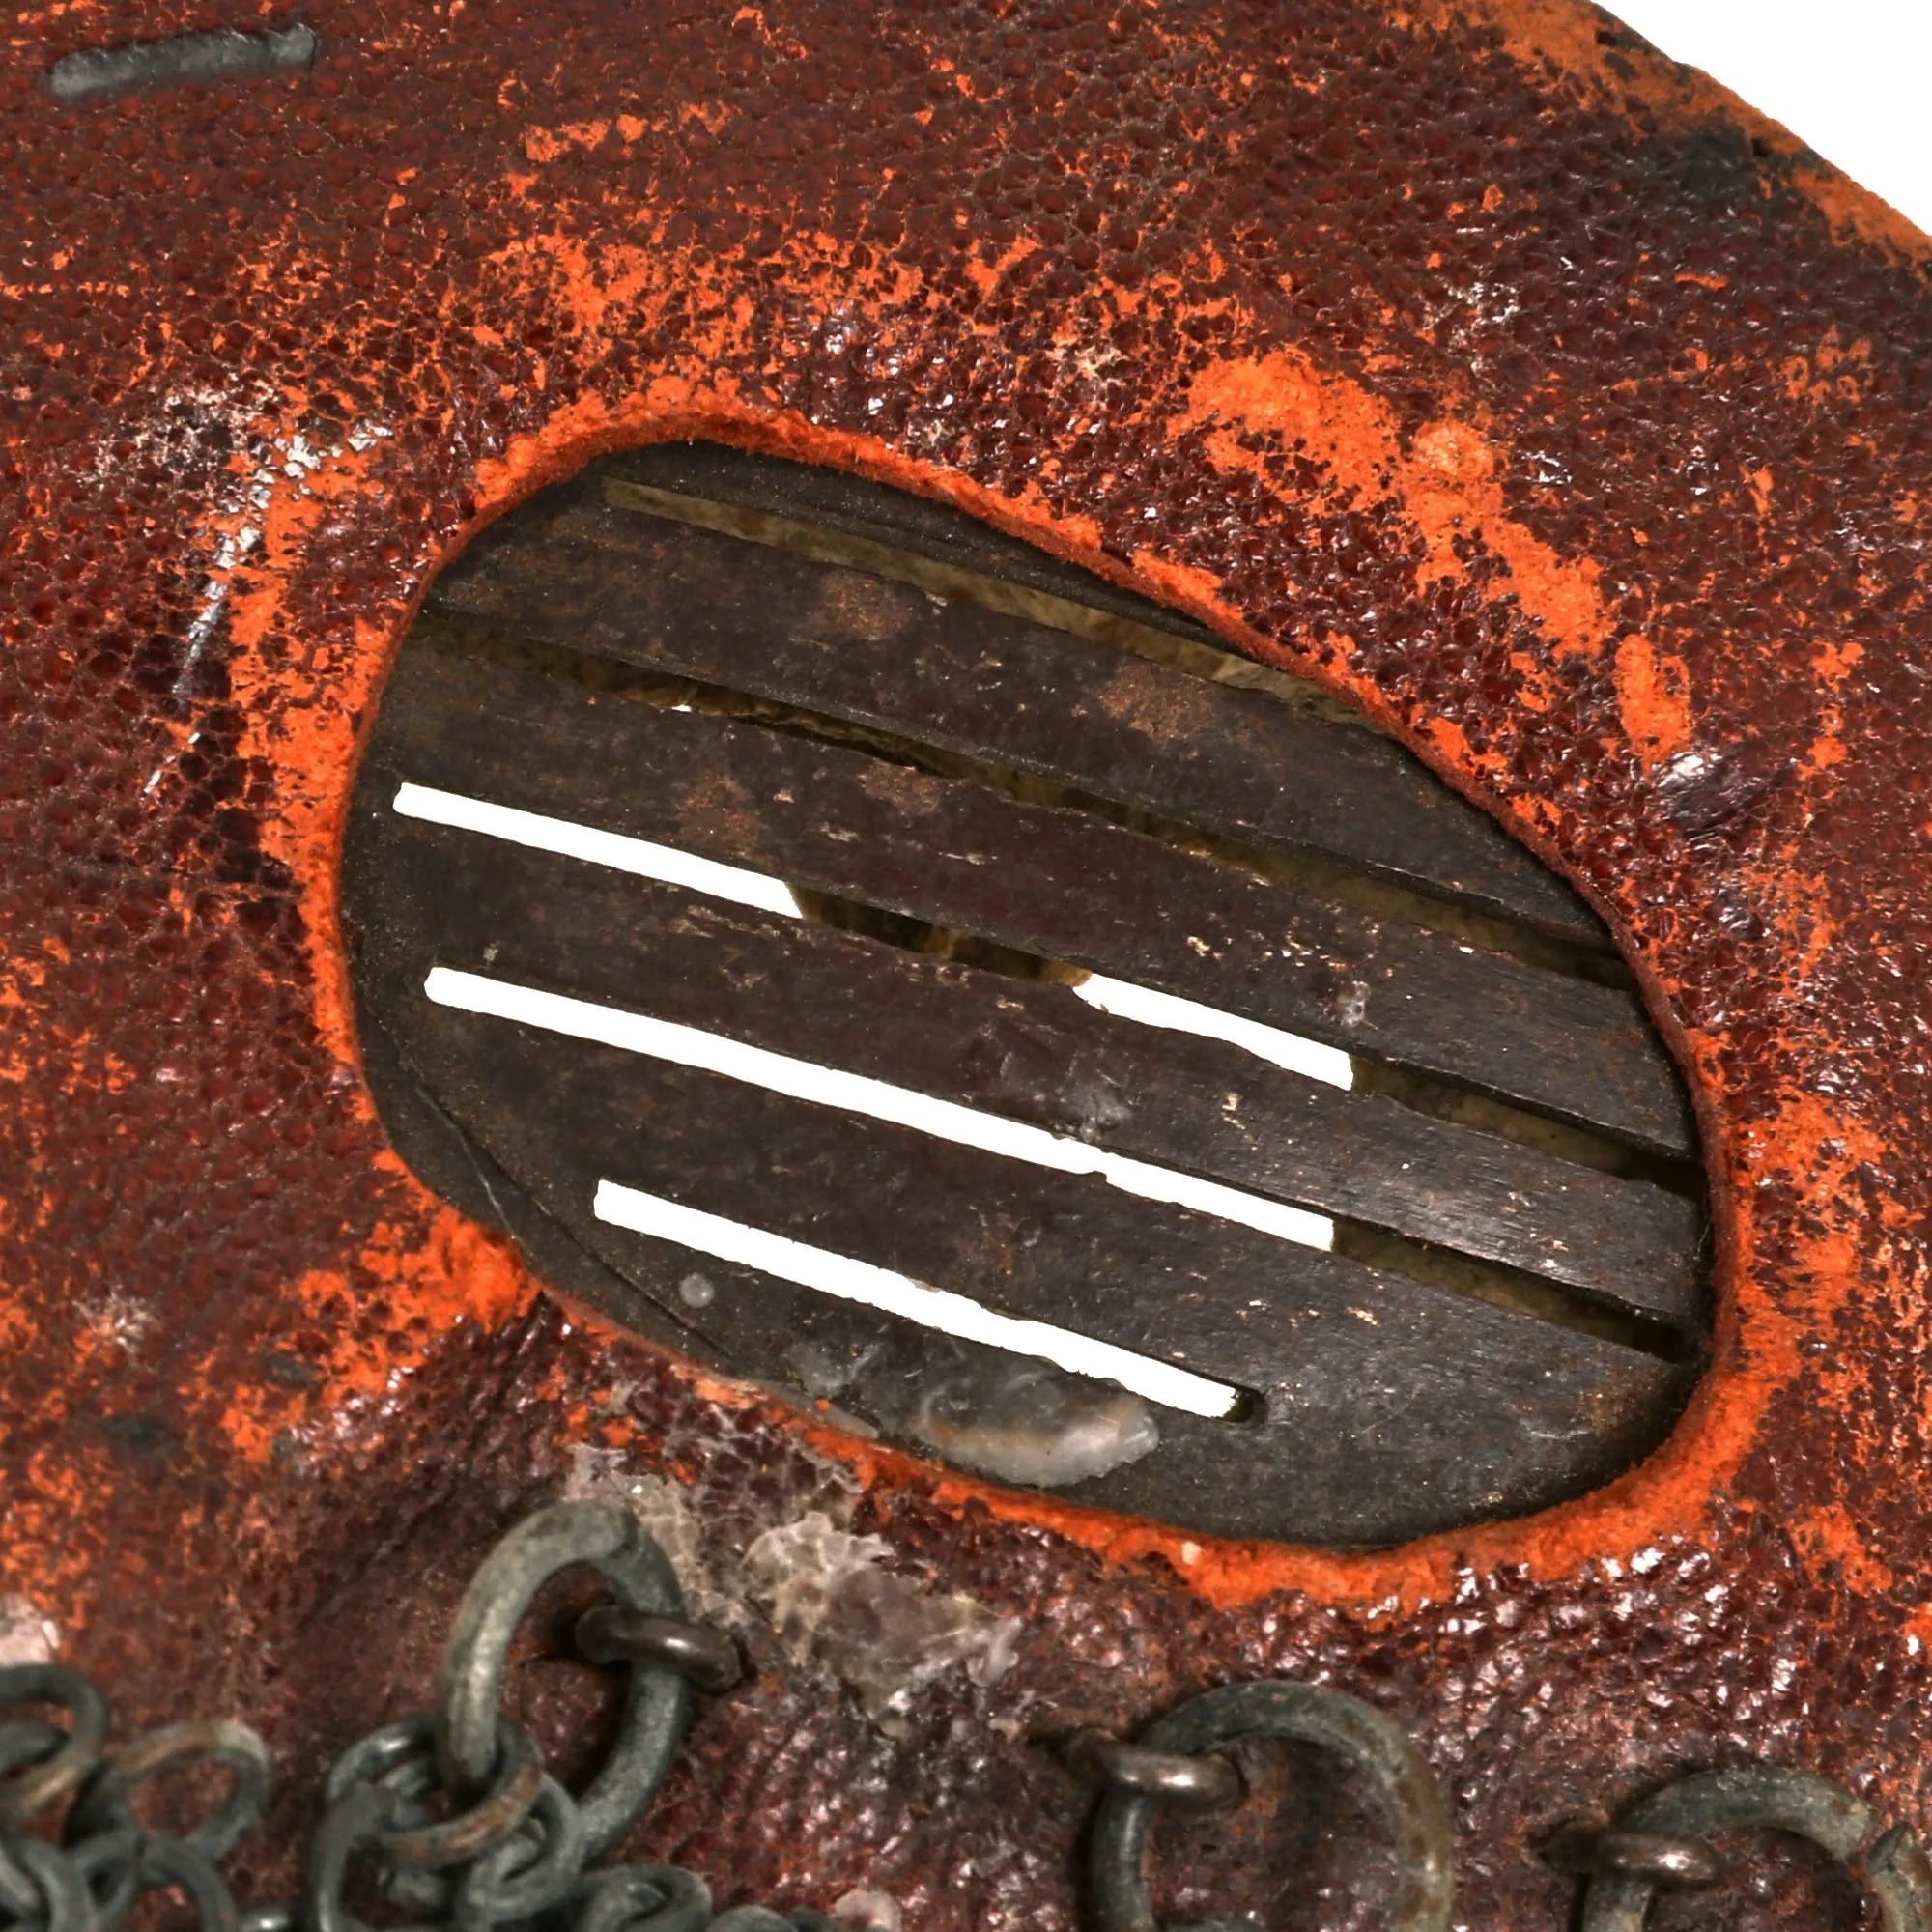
452	1817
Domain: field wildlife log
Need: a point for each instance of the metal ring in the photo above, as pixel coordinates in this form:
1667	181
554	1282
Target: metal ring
355	1822
508	1801
105	1805
46	1783
119	1864
610	1634
1207	1783
531	1870
63	1902
23	1742
279	1915
109	1863
401	1758
19	1895
1900	1876
1763	1797
177	1865
753	1918
644	1898
398	1759
1669	1863
1353	1730
659	1701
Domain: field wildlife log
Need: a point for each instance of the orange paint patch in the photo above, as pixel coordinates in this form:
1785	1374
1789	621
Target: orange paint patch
1828	749
1804	1142
459	1274
547	144
40	1554
1651	696
1446	485
1835	663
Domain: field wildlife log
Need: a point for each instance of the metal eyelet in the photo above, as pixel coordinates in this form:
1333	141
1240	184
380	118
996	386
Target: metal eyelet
659	1702
1761	1797
1355	1731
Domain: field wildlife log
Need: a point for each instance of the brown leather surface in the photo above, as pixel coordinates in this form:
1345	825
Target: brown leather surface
1542	400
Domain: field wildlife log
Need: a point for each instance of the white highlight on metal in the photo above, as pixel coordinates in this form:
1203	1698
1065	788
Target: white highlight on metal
614	849
1307	1056
645	860
899	1295
860	1094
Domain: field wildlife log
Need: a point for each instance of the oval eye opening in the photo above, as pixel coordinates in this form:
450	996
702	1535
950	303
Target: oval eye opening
893	966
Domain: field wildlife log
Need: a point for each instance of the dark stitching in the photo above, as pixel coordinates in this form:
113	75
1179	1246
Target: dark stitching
101	72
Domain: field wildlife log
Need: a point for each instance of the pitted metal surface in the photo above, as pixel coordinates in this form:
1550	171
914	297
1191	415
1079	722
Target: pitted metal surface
1473	362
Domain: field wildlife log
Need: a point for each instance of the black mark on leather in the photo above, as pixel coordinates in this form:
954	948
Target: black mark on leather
102	72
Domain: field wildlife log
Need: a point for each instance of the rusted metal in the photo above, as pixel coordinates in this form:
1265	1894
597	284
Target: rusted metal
1520	388
493	1810
107	1856
517	1856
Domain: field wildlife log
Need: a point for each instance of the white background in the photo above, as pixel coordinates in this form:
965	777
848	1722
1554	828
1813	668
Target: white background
1852	79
